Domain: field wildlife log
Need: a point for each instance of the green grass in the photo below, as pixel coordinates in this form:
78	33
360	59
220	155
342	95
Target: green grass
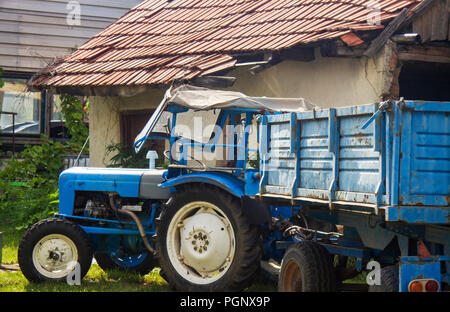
99	281
11	239
96	280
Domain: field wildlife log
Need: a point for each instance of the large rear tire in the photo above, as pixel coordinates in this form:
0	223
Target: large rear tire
50	249
205	243
306	267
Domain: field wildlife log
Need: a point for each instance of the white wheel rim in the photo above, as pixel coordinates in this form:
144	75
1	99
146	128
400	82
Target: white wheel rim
200	242
55	256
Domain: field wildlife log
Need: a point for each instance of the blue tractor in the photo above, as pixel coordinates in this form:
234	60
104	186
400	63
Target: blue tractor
257	184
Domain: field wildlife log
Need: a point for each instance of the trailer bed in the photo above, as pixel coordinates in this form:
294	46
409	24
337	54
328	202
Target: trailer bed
399	164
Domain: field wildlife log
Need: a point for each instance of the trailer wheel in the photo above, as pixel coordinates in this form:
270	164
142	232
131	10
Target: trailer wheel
306	267
205	243
389	280
50	249
142	263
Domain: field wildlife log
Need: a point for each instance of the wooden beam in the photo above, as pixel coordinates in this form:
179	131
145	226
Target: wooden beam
336	49
419	9
390	29
298	54
214	81
431	54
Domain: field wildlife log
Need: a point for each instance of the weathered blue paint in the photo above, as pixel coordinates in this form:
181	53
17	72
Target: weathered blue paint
124	182
382	165
112	231
412	268
227	182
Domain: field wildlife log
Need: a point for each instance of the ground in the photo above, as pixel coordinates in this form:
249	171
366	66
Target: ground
96	280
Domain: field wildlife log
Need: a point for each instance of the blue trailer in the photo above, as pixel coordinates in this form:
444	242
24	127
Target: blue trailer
368	182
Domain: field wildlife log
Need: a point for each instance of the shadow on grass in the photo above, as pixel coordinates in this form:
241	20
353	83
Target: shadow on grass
99	281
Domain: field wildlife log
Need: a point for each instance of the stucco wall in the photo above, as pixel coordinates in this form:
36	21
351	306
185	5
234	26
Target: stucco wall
326	82
104	120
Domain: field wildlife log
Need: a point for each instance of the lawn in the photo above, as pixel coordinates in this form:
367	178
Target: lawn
96	279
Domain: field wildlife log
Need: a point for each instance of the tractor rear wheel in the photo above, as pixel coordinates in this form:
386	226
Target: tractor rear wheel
306	267
51	249
205	243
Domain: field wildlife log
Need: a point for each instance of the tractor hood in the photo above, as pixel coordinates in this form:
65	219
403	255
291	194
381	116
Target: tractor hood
135	183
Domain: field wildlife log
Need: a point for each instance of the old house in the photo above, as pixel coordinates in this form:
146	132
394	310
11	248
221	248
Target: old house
33	33
332	53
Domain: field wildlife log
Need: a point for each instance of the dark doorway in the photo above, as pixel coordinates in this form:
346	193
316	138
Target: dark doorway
425	81
131	124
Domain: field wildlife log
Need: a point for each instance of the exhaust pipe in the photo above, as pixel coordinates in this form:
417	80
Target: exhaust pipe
135	219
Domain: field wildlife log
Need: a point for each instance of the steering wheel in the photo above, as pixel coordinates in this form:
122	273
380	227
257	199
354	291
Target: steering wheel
166	154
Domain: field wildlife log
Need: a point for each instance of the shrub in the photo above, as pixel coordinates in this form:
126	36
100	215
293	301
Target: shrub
125	156
73	112
29	187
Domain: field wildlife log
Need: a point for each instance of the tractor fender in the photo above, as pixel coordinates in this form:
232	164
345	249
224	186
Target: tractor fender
222	180
255	211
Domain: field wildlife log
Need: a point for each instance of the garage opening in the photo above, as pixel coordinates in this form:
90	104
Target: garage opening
425	81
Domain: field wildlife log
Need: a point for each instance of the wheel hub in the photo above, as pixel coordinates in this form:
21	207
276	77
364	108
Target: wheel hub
201	242
54	255
205	244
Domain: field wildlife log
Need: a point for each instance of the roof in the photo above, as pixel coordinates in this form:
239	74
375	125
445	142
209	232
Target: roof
161	41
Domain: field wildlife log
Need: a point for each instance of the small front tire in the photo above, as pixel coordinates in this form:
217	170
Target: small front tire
51	248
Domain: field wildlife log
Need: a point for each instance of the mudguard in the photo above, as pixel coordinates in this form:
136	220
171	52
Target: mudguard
255	211
222	180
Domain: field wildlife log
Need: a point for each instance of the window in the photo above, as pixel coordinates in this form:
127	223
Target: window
14	97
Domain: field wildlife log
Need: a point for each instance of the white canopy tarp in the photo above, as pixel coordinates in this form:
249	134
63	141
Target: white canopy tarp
197	98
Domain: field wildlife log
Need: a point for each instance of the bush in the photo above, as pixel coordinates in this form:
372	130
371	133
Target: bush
73	112
126	157
29	187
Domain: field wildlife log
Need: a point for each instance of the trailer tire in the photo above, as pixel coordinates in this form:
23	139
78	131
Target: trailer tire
306	267
129	264
389	280
214	219
63	241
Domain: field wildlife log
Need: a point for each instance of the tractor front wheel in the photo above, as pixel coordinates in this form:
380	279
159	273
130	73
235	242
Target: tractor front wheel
51	249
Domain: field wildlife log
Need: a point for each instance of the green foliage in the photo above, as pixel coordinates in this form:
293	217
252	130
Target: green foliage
1	80
29	187
73	113
125	156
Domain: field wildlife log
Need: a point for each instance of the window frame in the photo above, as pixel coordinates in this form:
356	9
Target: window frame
42	108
